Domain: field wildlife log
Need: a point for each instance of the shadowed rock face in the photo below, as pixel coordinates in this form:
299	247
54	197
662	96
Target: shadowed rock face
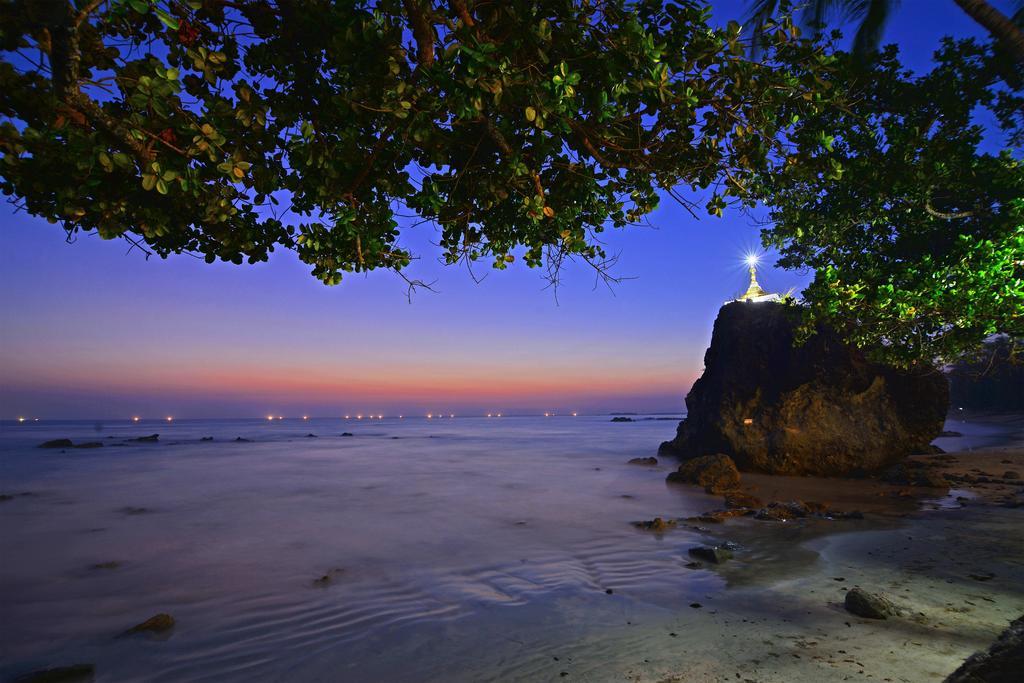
1001	663
817	409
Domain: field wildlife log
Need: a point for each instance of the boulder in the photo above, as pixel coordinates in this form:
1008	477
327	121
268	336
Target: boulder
818	408
716	473
868	605
643	461
1001	663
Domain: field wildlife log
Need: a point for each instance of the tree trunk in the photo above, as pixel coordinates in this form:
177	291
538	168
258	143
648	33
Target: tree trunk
1008	34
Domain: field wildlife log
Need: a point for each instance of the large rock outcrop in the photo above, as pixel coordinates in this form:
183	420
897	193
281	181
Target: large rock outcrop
816	409
1001	663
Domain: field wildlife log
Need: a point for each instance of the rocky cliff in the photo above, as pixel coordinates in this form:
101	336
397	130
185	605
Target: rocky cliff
816	409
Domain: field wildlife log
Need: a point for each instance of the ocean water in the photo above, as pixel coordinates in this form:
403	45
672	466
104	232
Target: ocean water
456	549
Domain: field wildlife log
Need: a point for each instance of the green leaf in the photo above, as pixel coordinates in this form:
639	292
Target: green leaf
167	20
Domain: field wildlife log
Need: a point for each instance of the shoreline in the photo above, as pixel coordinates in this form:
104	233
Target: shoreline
951	560
525	583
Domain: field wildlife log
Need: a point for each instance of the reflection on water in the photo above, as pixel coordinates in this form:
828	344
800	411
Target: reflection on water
467	548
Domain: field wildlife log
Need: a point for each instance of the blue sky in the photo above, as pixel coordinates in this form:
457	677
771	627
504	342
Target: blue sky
90	331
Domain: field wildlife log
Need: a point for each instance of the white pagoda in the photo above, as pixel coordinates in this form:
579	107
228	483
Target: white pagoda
755	293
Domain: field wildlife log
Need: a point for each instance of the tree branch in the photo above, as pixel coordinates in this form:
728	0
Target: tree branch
422	32
462	11
506	149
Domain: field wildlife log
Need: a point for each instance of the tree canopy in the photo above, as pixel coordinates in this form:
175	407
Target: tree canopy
231	128
520	129
912	216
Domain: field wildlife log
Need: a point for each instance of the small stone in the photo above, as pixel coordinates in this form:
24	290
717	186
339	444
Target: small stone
241	440
656	524
158	623
868	605
106	565
696	605
206	438
311	436
715	554
347	434
781	512
609	591
57	443
61	674
152	438
739	499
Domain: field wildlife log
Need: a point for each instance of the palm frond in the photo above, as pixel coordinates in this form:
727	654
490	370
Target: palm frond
876	16
871	16
760	12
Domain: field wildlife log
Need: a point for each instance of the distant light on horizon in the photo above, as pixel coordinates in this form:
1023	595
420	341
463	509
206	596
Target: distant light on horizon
305	417
169	418
21	419
135	419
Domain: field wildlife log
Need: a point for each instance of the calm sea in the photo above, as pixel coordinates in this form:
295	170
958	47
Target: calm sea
456	549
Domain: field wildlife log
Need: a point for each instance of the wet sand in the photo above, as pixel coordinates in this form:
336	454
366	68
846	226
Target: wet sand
953	563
